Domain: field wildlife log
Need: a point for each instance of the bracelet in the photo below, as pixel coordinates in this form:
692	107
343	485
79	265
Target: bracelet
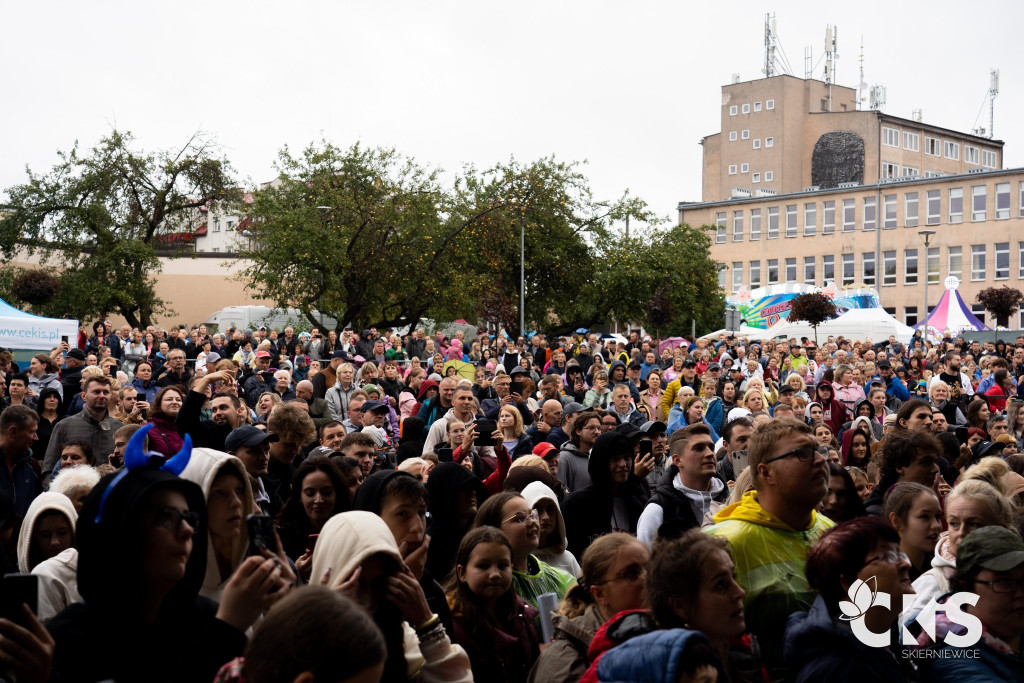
437	633
428	624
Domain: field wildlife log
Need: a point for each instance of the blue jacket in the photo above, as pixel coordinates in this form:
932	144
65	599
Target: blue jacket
896	387
21	483
819	650
651	658
991	666
150	392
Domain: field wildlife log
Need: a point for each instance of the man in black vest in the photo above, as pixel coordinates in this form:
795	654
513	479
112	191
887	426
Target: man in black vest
690	490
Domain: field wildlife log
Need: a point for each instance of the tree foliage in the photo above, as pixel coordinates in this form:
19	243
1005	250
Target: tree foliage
35	287
1001	302
96	220
813	308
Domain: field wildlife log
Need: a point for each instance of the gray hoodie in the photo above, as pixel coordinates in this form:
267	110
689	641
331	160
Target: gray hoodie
573	468
555	555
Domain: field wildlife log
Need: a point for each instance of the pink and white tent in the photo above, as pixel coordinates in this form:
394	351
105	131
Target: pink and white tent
951	316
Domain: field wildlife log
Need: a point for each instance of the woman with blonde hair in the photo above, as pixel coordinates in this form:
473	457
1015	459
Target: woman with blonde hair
611	580
267	401
514	436
793	379
753	400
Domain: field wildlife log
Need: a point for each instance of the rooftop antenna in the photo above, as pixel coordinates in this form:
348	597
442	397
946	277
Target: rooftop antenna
877	97
993	90
769	45
917	115
862	86
808	62
831	54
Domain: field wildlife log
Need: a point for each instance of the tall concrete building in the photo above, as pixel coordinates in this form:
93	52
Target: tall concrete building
804	187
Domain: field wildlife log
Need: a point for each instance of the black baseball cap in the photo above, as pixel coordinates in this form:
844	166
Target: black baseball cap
247	435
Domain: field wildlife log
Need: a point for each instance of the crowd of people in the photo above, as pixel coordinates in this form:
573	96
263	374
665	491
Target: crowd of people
261	505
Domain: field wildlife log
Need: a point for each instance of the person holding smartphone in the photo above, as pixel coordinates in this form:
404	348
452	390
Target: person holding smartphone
503	388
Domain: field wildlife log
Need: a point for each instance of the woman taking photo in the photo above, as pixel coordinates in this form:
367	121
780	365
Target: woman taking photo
819	645
144	383
915	513
164	437
318	493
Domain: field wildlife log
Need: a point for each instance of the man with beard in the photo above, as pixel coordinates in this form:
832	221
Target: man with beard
228	413
959	385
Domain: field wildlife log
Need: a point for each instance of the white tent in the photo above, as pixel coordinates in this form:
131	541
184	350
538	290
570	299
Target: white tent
23	331
744	331
856	324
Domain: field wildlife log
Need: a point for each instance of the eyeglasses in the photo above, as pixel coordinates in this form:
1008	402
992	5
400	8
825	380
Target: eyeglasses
630	574
1003	585
523	517
889	557
804	454
171	518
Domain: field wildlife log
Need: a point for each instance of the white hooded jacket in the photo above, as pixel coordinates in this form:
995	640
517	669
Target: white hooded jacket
202	469
44	502
345	542
555	555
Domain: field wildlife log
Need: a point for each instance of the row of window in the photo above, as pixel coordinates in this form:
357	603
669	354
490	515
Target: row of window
754	177
845	212
745	135
745	108
937	147
778	271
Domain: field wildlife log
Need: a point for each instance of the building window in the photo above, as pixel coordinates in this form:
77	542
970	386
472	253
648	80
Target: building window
956	263
773	223
1021	198
732	136
721	276
977	262
791	226
868	268
1020	260
757	143
932	146
1002	253
773	271
810	218
890	136
989	158
755	274
934	209
770	104
888	268
790	270
978	199
215	250
769	142
755	224
956	205
933	174
869	214
1002	200
972	155
910	267
911	141
910	315
216	225
933	265
755	177
744	168
757	106
910	210
889	208
951	150
737	276
979	312
849	215
732	169
828	268
889	170
828	216
911	172
746	108
737	226
720	227
745	134
230	224
733	110
768	176
809	270
847	269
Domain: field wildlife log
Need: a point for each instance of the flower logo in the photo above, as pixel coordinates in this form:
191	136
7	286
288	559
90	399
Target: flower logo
862	594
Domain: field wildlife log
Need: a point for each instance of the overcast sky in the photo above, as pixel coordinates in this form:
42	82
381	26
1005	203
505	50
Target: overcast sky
630	87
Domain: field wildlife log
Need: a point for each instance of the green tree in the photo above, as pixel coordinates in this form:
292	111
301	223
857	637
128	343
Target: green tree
97	220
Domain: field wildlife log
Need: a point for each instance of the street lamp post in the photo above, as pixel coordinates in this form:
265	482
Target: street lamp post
927	235
319	299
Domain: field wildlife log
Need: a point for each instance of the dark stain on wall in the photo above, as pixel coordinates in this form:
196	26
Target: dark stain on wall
837	158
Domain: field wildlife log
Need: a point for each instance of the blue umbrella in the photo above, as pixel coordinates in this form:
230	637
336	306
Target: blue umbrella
581	330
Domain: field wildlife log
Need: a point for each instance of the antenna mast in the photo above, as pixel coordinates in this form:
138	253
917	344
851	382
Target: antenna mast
993	90
862	86
831	54
769	45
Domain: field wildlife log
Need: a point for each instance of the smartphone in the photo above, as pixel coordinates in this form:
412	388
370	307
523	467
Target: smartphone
261	534
516	388
64	339
646	448
739	462
311	542
15	590
484	429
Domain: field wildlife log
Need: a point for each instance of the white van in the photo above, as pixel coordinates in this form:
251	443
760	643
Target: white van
252	317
